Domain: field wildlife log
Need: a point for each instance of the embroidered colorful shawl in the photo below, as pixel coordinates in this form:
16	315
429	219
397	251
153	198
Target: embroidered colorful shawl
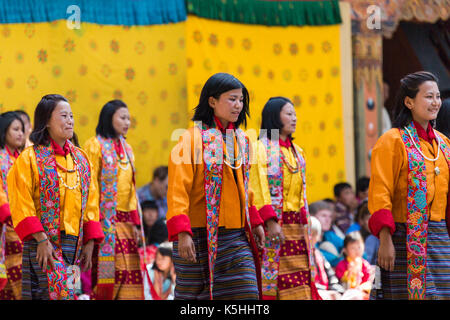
108	206
58	286
213	170
271	251
417	215
5	164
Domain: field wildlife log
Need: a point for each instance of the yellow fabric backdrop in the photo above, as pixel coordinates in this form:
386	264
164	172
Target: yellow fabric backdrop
145	66
301	63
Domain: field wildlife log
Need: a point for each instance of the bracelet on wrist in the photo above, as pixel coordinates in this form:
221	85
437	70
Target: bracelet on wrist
39	242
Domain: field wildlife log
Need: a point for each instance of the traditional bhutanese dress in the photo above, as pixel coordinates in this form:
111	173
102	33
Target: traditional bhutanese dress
10	244
212	202
278	182
116	273
409	194
50	190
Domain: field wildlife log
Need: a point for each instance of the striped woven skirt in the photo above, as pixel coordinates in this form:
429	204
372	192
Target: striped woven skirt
13	255
128	277
234	270
34	280
294	276
394	284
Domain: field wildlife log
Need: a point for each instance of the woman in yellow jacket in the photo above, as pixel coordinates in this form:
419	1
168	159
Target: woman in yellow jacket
210	215
54	206
278	181
408	196
11	140
116	273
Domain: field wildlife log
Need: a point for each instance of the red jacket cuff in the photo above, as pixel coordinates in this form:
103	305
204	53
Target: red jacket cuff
5	213
135	217
255	218
177	224
267	212
93	230
27	227
380	219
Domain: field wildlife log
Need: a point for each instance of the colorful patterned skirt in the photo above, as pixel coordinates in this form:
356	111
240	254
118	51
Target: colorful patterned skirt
34	280
394	284
294	274
13	255
234	270
128	277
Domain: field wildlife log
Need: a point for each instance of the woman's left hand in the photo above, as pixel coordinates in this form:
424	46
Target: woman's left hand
86	255
259	236
275	233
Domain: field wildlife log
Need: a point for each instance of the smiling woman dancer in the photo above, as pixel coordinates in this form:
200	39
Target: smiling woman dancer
11	140
210	215
53	203
116	274
278	181
408	196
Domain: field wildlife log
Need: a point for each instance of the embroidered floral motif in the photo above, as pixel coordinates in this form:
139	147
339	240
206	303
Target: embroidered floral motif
108	206
271	252
49	193
417	215
213	169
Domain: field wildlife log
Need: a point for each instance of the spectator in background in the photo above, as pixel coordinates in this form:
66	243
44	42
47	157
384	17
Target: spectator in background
362	189
155	229
354	272
159	276
28	128
156	190
371	243
323	274
346	204
443	118
333	239
155	232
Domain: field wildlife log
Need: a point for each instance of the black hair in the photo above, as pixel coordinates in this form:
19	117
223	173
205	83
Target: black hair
409	86
165	252
5	122
362	184
339	187
23	113
148	204
160	173
42	115
361	212
271	116
105	127
351	237
214	87
443	118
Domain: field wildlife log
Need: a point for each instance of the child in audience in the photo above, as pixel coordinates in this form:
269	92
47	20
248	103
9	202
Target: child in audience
354	272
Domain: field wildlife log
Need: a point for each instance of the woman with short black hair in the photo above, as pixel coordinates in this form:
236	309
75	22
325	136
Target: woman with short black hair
116	274
54	207
408	195
11	140
27	127
210	214
278	180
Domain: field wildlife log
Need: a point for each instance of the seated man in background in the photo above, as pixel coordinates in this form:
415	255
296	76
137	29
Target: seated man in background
156	190
346	204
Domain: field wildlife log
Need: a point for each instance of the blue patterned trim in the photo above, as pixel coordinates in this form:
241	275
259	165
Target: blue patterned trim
107	12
